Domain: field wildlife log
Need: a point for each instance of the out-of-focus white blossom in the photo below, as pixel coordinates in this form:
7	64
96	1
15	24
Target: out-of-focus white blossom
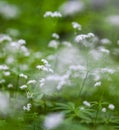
103	50
31	82
105	41
46	67
53	120
76	25
10	85
2	81
97	84
86	103
72	7
23	76
23	87
27	107
107	70
52	14
114	20
53	44
4	67
104	109
111	106
42	82
67	44
6	73
21	42
8	11
29	95
55	35
4	37
81	37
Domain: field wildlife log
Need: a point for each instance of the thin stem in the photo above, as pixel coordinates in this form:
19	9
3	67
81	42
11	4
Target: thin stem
96	117
83	83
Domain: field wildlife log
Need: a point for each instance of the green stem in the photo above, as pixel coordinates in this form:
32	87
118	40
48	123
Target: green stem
83	83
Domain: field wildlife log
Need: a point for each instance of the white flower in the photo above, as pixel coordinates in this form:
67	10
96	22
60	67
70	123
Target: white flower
7	73
82	108
86	103
45	67
111	107
2	81
27	107
97	84
53	120
107	70
104	109
8	11
104	50
31	82
53	44
10	85
44	61
55	35
105	41
4	38
23	87
81	37
114	20
29	95
52	14
42	82
71	7
76	25
4	67
21	42
23	76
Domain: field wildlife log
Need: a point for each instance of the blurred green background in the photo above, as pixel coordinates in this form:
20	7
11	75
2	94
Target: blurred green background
36	30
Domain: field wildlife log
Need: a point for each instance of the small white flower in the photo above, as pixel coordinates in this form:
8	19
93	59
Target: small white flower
55	35
7	73
4	38
23	76
45	67
72	7
81	108
42	82
4	67
111	107
8	11
107	70
104	50
52	14
31	82
97	84
105	41
27	107
53	120
23	87
2	81
86	103
10	85
44	61
53	44
29	95
82	37
76	25
21	42
104	109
